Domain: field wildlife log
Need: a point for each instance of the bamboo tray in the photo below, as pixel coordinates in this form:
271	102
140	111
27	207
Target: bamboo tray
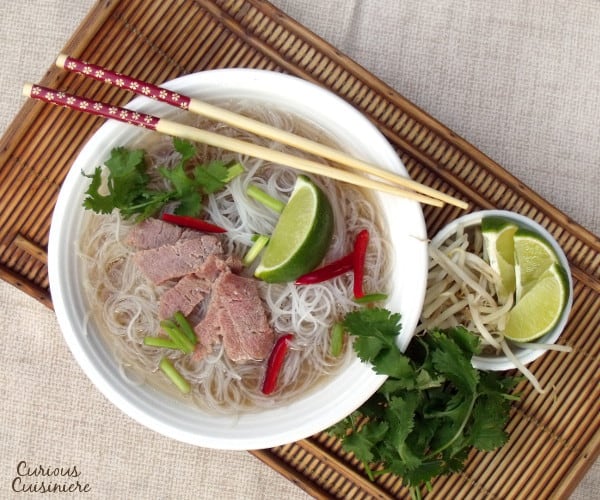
554	440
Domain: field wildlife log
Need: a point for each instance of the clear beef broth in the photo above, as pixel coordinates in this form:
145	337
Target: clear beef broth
124	305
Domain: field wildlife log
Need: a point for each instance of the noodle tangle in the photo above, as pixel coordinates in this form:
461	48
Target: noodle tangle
125	305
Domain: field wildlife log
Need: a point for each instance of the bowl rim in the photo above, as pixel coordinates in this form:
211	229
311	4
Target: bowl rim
165	414
524	355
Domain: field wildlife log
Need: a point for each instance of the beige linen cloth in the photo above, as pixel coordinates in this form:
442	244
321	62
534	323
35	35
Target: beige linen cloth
519	78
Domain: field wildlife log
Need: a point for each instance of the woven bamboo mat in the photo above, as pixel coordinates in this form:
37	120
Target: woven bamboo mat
554	439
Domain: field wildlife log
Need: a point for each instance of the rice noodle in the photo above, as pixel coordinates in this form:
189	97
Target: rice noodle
125	304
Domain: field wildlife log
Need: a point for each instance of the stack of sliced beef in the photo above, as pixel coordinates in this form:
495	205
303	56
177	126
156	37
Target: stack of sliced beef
194	263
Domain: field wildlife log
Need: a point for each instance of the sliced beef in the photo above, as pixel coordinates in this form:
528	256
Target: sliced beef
186	256
190	290
184	296
236	317
153	233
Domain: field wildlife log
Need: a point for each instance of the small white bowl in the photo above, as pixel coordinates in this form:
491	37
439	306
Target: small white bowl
501	362
330	401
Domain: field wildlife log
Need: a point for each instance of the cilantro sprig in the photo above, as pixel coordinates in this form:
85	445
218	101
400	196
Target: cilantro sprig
129	190
433	407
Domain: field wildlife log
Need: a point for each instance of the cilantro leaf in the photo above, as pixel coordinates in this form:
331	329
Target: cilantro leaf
179	179
400	413
124	162
376	329
94	200
190	204
451	361
126	182
361	443
487	432
467	342
185	148
434	406
127	185
212	177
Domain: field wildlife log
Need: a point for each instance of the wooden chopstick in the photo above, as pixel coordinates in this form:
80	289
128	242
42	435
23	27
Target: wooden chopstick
175	129
245	123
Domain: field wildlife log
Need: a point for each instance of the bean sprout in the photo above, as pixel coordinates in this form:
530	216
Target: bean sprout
462	289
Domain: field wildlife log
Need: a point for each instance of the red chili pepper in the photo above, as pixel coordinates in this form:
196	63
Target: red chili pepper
275	363
193	222
335	268
360	253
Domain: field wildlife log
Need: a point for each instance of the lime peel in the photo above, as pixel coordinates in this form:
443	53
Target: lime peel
301	236
541	308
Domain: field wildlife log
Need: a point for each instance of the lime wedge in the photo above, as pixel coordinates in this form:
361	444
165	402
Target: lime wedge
498	251
540	309
301	237
533	256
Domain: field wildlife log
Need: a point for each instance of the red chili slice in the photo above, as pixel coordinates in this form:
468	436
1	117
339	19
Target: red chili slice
192	222
335	268
360	253
275	363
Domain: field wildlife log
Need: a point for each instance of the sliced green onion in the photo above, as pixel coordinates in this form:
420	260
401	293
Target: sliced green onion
372	297
337	340
233	171
160	342
185	327
260	242
174	376
177	336
266	199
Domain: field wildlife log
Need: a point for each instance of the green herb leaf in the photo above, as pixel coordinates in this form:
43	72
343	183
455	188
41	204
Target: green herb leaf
127	183
375	329
433	407
185	148
211	177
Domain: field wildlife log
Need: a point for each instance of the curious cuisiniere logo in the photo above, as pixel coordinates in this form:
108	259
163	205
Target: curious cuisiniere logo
46	479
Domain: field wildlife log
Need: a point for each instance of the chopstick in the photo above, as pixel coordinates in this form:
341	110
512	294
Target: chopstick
175	129
236	120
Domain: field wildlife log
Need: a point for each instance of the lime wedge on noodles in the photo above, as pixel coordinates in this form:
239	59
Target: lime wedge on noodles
301	236
498	251
533	256
540	309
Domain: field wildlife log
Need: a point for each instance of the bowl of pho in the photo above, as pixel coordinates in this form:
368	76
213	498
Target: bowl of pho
503	276
202	291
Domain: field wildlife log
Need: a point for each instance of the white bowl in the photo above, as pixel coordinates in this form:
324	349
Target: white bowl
525	355
324	406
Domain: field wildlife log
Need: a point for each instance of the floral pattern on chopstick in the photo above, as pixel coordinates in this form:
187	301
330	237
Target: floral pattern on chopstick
71	101
126	82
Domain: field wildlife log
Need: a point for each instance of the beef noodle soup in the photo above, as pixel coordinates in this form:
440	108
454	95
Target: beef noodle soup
125	303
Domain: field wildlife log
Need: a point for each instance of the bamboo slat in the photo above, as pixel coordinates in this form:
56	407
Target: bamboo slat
554	438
